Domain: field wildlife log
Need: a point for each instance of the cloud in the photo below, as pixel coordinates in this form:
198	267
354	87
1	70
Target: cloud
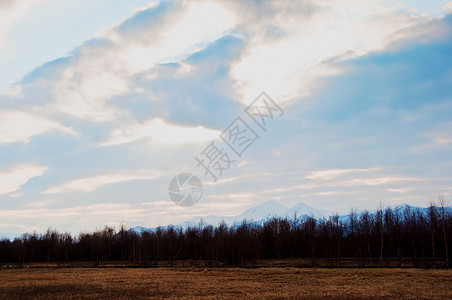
105	67
10	12
344	182
19	126
72	219
334	193
78	218
158	131
401	190
183	32
15	91
447	7
288	57
11	180
295	48
333	173
95	209
11	231
83	90
90	184
377	181
442	138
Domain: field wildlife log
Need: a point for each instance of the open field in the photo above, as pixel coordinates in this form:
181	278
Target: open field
224	283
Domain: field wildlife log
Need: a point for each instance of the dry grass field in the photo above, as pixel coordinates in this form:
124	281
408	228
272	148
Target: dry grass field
225	283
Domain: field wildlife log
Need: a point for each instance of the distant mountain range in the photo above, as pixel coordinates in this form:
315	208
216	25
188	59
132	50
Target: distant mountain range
258	215
268	210
261	213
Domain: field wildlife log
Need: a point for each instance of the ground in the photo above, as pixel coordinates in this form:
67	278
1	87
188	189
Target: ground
224	283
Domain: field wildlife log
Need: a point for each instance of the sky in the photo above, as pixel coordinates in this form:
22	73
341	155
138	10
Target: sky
103	103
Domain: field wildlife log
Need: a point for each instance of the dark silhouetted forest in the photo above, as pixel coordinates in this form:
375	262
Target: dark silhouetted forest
390	236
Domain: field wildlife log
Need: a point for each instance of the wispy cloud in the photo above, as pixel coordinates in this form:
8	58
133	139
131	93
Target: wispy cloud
12	179
442	138
377	181
333	173
19	126
10	12
14	91
145	214
89	184
447	7
13	230
435	140
401	190
158	131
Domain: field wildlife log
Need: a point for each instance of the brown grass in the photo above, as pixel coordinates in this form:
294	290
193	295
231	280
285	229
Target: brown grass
225	283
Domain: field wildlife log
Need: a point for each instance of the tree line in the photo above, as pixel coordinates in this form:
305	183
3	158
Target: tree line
420	236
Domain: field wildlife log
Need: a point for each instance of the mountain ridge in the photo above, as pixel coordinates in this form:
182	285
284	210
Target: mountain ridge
261	213
257	214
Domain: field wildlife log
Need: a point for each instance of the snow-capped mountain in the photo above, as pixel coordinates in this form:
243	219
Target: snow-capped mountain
302	209
264	211
270	209
258	214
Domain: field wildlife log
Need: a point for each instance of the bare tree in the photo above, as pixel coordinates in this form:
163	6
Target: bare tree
433	223
366	223
380	227
310	229
353	225
338	232
442	205
397	225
